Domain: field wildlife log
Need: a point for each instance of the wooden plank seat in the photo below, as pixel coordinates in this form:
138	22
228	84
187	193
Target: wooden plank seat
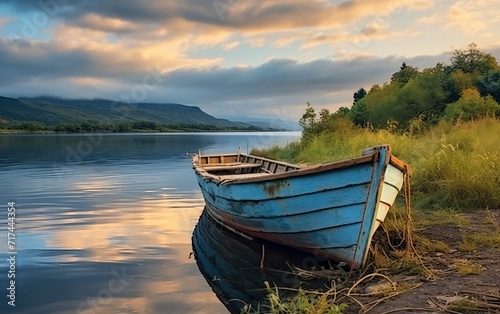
242	176
230	166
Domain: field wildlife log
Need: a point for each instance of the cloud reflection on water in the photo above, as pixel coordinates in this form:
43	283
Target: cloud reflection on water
131	205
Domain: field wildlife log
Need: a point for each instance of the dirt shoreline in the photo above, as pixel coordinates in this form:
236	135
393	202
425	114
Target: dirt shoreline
449	287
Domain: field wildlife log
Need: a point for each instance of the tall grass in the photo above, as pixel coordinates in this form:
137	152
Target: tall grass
463	171
455	165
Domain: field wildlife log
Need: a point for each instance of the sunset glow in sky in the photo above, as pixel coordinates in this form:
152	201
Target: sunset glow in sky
230	57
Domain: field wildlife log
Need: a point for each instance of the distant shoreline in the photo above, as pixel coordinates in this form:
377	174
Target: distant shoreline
16	132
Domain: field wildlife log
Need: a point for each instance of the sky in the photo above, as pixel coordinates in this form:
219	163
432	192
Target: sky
231	58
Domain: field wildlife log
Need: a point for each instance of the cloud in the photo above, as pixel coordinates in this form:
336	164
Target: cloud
297	14
256	41
165	33
24	60
251	15
355	40
230	45
471	16
428	20
421	4
42	68
106	24
5	20
290	80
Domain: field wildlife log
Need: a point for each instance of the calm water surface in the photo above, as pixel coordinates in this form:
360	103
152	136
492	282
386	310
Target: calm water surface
104	222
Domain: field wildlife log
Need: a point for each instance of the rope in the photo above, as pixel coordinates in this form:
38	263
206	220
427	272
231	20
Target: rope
407	191
410	248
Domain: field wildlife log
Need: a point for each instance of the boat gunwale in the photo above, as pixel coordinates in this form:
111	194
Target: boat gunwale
200	169
401	165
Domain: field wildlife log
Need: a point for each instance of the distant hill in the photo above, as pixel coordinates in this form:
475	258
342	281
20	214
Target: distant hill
51	111
275	124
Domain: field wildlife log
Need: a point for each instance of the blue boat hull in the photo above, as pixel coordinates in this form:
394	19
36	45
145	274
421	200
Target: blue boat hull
331	210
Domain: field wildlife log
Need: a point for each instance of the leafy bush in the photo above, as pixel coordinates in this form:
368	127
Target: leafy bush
472	106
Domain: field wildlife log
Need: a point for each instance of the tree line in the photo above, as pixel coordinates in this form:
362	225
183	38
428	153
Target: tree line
121	127
414	100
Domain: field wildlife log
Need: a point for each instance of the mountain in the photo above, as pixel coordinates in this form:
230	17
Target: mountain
51	111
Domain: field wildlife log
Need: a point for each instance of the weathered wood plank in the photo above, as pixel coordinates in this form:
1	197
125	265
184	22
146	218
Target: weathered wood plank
231	166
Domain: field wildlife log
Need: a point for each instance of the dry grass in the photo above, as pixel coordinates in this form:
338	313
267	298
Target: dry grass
466	267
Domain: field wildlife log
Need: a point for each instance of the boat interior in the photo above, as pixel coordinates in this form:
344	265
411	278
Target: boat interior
241	164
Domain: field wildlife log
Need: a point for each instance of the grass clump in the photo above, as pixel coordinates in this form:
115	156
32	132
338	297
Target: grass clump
425	245
488	237
489	240
467	245
439	218
471	242
279	152
304	302
466	267
462	306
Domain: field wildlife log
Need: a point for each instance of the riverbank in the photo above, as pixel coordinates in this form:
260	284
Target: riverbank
454	268
449	259
463	254
460	253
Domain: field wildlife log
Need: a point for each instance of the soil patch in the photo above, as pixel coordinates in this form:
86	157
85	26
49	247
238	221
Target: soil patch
436	295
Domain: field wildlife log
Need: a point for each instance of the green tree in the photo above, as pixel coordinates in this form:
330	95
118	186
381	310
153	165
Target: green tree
308	122
308	119
342	112
124	127
324	115
472	60
471	106
458	81
382	104
358	95
414	100
490	84
358	113
405	74
423	98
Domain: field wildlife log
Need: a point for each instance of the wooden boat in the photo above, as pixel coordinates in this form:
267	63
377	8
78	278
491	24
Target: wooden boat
331	210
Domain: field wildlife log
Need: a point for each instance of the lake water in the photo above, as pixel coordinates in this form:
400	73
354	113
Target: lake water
103	223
